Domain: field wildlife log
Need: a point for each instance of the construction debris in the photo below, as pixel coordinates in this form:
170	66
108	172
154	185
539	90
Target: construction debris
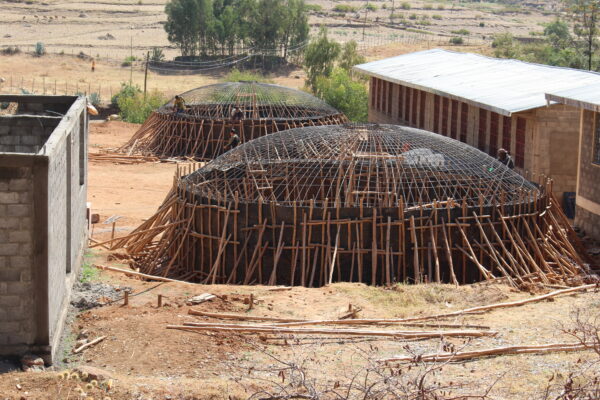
497	351
265	329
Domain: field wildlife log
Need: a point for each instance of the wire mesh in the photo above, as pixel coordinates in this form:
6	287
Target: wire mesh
358	165
256	101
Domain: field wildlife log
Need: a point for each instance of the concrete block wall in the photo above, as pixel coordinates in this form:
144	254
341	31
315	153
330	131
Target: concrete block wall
587	211
17	312
43	227
25	134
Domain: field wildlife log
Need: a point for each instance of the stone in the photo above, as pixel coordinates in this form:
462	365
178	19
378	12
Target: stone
31	360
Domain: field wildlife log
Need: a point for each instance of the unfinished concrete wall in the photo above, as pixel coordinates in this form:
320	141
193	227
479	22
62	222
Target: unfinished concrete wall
17	292
587	213
25	134
43	212
541	141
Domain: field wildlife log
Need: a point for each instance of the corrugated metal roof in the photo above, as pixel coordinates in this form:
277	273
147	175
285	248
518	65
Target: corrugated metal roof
501	85
587	97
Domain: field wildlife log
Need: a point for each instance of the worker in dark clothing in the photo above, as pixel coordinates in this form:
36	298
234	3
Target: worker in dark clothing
505	158
234	139
237	114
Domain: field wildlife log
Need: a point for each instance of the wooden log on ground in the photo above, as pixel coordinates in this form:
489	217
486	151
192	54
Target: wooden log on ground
90	344
145	276
232	328
497	351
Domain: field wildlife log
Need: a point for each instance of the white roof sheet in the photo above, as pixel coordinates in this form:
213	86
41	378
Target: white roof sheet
501	85
587	97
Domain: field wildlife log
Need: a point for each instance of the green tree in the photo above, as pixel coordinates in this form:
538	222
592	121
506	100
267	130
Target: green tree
344	93
349	56
319	57
206	26
295	25
585	15
182	25
505	46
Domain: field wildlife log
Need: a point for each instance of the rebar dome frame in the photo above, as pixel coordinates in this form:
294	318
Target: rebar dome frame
363	203
201	131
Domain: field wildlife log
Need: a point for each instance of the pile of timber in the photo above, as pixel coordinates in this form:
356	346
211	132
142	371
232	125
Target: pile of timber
118	158
288	326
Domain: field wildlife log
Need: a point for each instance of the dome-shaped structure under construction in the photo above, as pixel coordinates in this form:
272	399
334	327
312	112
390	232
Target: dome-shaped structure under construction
357	203
201	128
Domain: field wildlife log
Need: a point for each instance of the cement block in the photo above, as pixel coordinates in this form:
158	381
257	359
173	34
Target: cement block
19	288
3	262
10	275
9	140
9	198
9	223
9	249
4	129
18	210
9	327
30	140
19	237
2	291
19	185
20	262
10	301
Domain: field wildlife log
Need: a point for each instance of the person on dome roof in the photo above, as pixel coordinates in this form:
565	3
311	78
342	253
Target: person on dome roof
179	104
234	140
505	158
237	114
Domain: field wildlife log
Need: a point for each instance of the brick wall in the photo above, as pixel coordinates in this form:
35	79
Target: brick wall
16	240
587	212
43	227
25	134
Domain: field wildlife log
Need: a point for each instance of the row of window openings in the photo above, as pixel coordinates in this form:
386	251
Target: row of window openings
381	99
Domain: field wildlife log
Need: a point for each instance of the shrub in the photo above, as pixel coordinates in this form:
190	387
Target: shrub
371	7
128	61
428	7
412	16
440	7
95	99
463	32
127	90
157	54
313	7
436	16
345	94
384	6
134	106
399	16
405	5
457	40
481	24
40	49
10	50
344	8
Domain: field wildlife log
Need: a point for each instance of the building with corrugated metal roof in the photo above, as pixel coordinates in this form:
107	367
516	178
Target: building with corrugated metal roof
587	200
486	102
